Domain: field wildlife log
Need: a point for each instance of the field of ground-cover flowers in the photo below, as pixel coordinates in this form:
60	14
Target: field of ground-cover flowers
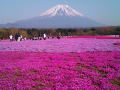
65	64
118	43
99	37
62	45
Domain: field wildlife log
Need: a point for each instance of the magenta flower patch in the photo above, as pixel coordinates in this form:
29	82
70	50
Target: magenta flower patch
61	71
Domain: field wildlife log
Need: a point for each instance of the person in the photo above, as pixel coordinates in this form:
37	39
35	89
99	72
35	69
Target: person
25	38
21	37
58	37
44	36
40	38
11	38
16	37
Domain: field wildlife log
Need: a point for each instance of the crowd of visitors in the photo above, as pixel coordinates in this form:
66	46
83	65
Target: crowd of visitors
44	37
19	37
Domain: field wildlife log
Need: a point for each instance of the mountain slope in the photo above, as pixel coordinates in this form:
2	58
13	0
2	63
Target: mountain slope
60	16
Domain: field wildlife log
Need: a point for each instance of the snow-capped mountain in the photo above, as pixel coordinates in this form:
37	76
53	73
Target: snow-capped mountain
60	16
61	10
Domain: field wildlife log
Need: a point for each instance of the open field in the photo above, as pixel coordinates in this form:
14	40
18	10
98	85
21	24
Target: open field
65	64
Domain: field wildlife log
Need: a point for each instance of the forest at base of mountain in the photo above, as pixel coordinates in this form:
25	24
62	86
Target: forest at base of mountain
33	32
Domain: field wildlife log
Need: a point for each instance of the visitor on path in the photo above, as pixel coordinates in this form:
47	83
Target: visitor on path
11	38
16	37
21	37
25	38
44	36
58	37
40	38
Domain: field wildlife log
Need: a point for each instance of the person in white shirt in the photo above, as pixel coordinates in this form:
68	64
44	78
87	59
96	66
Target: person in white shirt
25	38
11	38
44	36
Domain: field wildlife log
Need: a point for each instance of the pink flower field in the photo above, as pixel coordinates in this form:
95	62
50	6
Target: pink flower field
62	45
65	64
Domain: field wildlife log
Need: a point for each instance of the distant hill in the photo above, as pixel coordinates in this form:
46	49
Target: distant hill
60	16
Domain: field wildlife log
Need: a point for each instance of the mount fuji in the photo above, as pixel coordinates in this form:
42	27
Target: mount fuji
60	16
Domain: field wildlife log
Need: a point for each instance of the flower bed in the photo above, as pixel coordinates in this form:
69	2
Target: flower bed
61	45
117	44
60	71
97	37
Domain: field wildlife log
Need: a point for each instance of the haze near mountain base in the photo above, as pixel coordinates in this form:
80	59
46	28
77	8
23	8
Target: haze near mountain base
60	16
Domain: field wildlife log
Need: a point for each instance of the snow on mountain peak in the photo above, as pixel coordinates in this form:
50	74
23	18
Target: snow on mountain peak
61	10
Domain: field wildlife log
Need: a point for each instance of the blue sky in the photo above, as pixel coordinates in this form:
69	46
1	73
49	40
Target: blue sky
103	11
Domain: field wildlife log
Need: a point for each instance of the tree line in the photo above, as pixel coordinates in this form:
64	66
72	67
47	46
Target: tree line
33	32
